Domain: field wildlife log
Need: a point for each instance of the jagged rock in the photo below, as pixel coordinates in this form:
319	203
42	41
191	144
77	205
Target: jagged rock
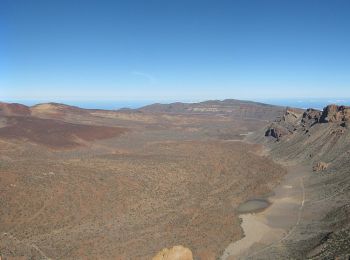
338	131
320	166
291	115
311	117
175	253
294	120
345	124
276	131
284	125
335	114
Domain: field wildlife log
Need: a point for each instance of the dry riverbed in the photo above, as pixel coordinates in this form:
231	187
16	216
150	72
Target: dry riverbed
267	228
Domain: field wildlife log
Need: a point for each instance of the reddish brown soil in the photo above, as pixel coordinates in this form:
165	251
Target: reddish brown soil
130	206
172	179
55	133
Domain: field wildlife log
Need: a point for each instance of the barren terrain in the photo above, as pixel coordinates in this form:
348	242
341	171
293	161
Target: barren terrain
97	184
125	184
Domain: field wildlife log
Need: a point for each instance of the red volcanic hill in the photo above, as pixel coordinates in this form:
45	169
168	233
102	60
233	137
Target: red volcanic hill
56	110
7	109
20	122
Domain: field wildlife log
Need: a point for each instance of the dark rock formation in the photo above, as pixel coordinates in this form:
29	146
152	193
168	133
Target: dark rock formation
276	131
291	115
284	125
335	114
311	117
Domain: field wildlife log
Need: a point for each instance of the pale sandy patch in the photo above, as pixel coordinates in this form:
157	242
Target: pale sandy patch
275	224
255	231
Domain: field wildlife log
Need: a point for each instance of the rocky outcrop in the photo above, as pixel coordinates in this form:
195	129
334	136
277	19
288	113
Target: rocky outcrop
175	253
336	114
293	120
311	116
320	166
284	125
276	131
291	115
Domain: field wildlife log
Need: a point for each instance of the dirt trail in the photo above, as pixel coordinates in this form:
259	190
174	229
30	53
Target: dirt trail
275	224
16	240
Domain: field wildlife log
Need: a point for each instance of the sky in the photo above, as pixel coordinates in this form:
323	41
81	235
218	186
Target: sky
185	50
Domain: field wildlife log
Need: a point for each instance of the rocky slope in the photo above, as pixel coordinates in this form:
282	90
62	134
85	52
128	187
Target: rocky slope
320	140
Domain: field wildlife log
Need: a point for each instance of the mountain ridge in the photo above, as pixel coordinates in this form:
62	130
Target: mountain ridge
320	140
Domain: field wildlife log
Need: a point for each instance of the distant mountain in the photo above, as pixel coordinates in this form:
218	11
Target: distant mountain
235	108
230	107
14	109
55	110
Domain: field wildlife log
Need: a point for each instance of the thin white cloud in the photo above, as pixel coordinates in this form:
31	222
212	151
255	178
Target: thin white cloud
149	77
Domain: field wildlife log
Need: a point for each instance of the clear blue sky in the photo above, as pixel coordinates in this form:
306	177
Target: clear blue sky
174	49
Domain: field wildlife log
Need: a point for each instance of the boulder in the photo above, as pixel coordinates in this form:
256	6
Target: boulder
175	253
320	166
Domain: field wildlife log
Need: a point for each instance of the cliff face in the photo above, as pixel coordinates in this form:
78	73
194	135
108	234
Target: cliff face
311	117
285	125
336	114
292	121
